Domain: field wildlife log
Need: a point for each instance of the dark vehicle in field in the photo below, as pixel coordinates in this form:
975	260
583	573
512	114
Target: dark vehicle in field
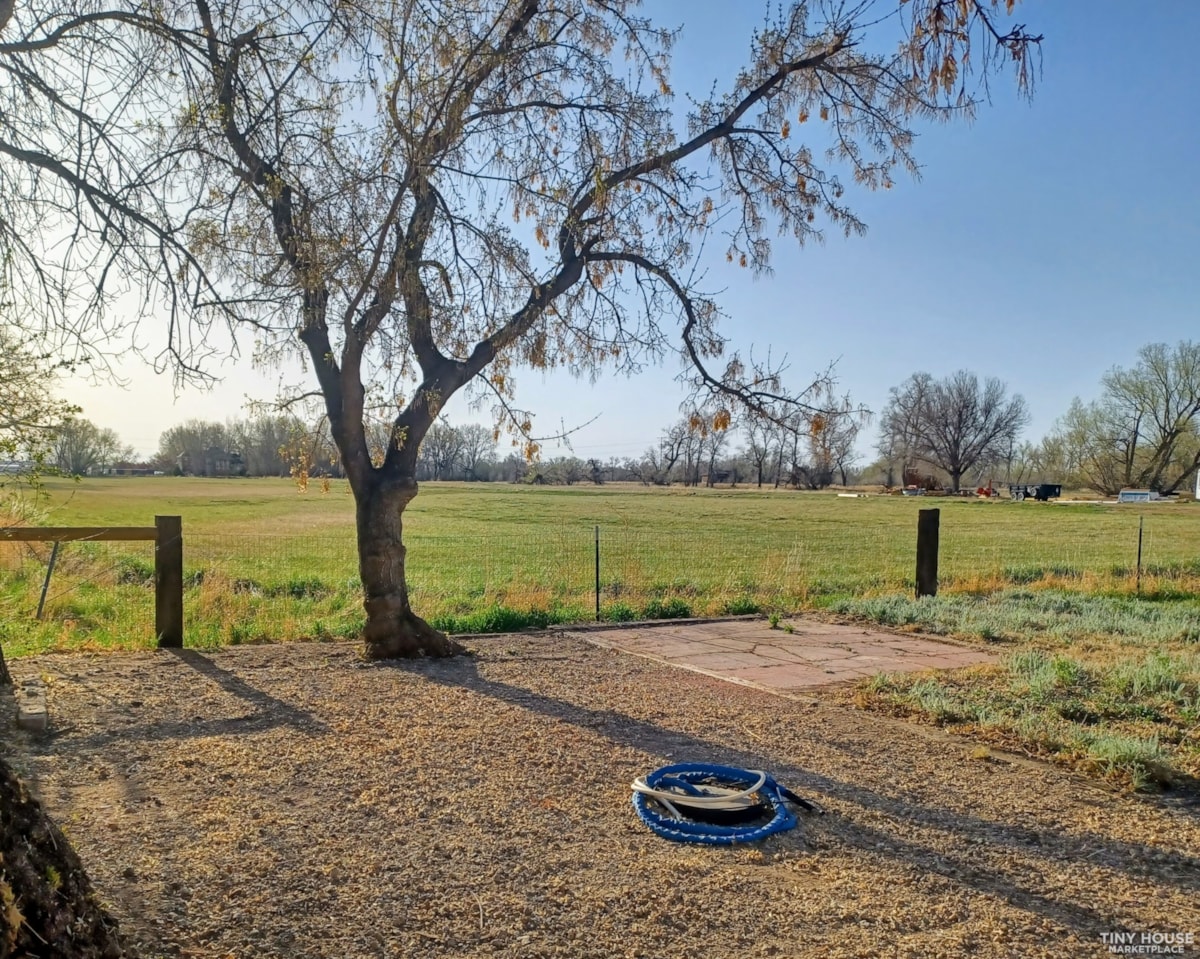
1042	492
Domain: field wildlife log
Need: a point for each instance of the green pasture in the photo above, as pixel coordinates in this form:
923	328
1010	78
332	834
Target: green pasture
1054	586
264	560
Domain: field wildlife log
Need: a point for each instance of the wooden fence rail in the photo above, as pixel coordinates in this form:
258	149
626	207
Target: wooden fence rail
167	536
73	534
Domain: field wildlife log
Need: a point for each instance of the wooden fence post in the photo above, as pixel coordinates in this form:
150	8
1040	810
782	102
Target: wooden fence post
927	552
168	581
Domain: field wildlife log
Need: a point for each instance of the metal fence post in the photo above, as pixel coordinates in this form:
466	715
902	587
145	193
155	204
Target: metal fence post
1141	521
927	552
46	584
168	581
597	574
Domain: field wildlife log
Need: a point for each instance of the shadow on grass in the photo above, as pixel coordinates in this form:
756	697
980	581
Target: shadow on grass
1042	846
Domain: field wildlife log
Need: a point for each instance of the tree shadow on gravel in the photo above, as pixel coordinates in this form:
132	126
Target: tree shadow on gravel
973	834
268	706
268	712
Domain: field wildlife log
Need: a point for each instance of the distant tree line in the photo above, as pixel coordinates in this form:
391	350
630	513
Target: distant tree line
79	447
283	445
270	445
803	452
1143	431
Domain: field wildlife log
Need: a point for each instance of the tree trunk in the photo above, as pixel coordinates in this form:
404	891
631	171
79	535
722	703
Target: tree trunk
393	630
48	909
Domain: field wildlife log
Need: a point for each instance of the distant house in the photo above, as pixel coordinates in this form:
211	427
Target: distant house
128	469
214	462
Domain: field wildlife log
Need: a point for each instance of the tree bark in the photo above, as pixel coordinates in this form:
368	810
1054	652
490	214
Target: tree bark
48	909
392	630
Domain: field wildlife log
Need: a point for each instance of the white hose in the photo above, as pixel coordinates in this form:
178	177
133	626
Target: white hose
714	797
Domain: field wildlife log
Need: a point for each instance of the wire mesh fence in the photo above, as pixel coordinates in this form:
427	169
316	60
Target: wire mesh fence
241	589
978	550
258	584
102	588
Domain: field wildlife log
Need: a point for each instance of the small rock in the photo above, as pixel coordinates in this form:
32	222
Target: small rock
32	714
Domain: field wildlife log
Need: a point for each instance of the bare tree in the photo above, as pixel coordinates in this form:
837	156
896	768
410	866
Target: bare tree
788	439
890	456
639	469
792	441
350	173
28	414
29	411
760	444
1035	463
900	426
1144	431
80	446
478	447
832	433
954	424
672	446
692	448
716	443
441	449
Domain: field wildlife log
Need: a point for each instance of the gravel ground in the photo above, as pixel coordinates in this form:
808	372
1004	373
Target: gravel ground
293	801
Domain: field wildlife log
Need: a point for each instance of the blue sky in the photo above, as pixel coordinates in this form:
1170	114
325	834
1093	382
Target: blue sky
1044	243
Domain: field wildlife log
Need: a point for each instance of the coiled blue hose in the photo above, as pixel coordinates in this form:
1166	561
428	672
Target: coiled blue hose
657	799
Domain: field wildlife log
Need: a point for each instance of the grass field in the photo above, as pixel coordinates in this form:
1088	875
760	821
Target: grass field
1055	585
266	561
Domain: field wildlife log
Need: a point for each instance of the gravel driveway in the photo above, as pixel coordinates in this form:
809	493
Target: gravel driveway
292	801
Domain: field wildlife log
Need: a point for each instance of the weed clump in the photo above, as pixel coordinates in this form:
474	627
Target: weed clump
673	608
620	612
741	606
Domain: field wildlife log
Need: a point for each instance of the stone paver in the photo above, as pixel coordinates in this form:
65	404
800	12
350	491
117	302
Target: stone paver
813	654
31	707
783	676
719	660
